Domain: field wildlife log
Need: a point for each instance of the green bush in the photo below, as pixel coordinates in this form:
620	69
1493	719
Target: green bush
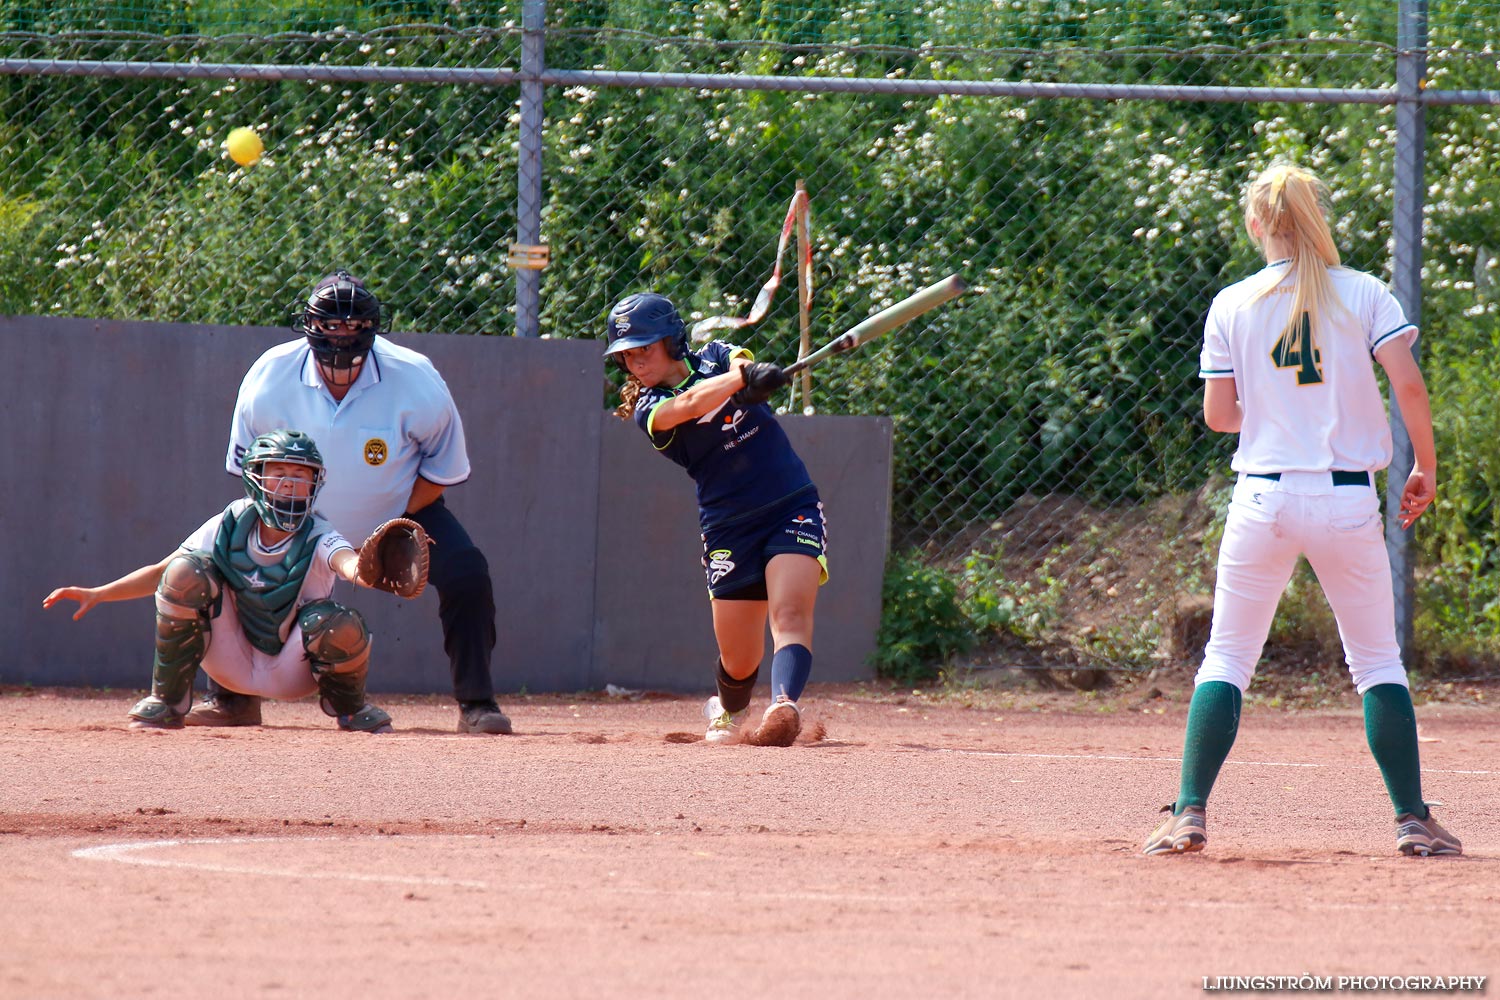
921	622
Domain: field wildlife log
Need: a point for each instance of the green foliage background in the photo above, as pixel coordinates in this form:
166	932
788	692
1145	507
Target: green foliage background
1096	231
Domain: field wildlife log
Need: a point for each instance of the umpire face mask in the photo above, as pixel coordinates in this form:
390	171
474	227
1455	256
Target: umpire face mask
340	347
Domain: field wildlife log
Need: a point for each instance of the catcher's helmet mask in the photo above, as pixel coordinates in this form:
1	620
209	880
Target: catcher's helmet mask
341	320
642	319
277	509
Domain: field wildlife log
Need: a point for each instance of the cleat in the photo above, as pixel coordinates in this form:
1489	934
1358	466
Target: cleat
1423	837
153	713
780	725
483	717
369	719
723	727
1183	833
226	708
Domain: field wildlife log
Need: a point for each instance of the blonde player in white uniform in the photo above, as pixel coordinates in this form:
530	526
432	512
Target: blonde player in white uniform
246	598
393	440
1287	365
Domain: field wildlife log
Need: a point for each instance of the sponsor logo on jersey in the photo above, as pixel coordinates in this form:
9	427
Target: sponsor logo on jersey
376	452
731	423
719	565
707	367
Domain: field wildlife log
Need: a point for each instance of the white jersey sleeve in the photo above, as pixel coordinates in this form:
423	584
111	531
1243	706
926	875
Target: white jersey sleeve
203	538
1216	360
331	543
1387	318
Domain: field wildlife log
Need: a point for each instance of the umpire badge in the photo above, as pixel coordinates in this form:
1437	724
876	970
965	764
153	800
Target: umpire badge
375	452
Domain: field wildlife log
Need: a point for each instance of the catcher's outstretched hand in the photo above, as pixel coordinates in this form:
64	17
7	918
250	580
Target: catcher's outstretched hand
85	596
395	558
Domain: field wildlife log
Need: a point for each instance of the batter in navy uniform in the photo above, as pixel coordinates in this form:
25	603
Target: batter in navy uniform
762	521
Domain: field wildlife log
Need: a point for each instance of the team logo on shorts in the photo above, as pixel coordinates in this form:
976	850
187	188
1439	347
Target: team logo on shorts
803	529
376	452
719	565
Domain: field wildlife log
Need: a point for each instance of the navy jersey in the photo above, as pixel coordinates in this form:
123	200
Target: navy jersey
739	457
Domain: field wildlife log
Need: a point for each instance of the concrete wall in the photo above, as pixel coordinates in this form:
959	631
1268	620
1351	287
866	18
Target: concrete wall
118	433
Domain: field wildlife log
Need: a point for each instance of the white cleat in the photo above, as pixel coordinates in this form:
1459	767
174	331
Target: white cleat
723	727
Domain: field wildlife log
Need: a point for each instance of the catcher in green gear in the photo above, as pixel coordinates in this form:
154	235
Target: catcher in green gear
246	597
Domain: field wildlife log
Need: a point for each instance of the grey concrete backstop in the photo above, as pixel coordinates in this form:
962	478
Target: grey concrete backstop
591	537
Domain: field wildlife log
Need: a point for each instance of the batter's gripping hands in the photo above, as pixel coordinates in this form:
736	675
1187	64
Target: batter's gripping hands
395	558
761	379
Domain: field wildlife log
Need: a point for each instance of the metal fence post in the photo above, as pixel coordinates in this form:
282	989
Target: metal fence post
529	165
1406	281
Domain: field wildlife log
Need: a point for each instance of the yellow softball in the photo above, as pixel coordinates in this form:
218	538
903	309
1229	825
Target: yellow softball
244	146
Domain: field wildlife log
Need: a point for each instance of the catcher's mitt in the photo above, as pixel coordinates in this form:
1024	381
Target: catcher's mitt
395	557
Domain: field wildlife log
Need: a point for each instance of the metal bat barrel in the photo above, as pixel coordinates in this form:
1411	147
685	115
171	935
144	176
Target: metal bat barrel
907	309
904	311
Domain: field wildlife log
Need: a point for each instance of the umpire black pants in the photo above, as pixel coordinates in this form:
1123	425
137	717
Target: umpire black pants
466	601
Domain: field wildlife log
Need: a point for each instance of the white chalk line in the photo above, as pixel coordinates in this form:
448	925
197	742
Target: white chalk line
129	853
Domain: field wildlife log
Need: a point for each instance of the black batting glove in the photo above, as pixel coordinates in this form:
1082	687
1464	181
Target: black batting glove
761	379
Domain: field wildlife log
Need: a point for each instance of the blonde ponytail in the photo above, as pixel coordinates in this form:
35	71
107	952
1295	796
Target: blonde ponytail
1290	204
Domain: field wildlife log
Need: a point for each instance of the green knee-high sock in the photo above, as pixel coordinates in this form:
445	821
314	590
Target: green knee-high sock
1391	730
1212	724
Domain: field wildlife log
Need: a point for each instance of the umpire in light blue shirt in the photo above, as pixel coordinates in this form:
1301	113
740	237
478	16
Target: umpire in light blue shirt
392	441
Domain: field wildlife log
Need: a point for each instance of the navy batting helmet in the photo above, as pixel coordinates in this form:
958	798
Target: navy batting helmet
645	318
340	320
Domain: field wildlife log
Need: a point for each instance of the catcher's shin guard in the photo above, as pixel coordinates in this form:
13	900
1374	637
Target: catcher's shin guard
189	591
338	647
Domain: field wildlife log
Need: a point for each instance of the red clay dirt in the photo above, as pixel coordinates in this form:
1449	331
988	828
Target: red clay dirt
914	850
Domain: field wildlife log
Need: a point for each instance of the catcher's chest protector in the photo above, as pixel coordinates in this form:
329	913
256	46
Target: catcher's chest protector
264	595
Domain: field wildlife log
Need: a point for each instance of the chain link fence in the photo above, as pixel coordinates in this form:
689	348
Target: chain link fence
1052	468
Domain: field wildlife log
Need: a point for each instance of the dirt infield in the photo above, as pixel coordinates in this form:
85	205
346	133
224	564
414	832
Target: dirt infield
916	850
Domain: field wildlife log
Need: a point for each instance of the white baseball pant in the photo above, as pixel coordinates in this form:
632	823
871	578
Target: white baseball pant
239	666
1339	530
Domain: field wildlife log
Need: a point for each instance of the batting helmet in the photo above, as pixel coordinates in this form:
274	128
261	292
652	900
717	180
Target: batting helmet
340	321
281	508
645	318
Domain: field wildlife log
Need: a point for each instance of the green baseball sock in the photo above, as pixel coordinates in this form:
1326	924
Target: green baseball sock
1212	724
1391	730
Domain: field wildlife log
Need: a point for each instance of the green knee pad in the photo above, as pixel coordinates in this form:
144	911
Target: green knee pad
337	643
186	599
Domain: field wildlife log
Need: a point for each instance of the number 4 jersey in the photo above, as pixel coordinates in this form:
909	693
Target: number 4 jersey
1311	402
